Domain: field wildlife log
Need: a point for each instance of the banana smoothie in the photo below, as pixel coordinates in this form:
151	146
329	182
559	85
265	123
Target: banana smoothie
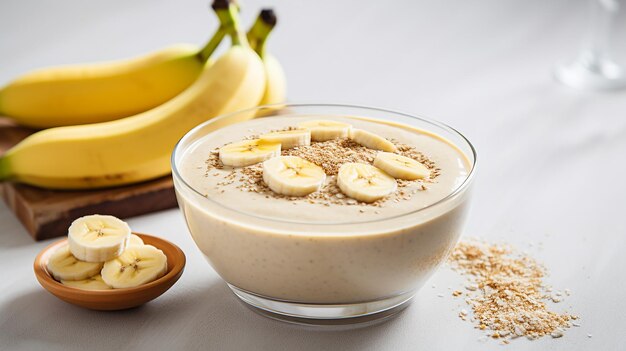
323	209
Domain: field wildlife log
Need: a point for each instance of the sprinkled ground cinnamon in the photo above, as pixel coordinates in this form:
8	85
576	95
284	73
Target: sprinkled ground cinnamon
506	292
329	155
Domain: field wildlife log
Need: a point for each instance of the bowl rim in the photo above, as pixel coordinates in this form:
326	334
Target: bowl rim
458	190
48	282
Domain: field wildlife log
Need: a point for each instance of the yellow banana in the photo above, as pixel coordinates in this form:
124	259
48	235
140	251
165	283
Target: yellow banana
276	89
138	148
91	93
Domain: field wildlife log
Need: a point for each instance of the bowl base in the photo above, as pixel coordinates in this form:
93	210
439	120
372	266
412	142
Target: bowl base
335	316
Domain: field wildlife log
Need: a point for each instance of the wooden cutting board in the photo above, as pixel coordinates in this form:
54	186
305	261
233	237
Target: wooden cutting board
48	213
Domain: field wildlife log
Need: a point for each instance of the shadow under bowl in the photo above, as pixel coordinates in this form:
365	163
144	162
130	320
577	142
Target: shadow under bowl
113	299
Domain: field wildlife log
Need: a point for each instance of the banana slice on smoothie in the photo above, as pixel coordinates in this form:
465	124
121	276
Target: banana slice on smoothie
292	176
97	238
248	152
289	138
371	140
62	265
91	283
365	182
323	130
138	265
134	240
401	167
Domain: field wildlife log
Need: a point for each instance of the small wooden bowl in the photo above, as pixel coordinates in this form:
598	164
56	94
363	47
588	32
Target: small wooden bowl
114	299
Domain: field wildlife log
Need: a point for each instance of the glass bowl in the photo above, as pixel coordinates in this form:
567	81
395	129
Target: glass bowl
318	272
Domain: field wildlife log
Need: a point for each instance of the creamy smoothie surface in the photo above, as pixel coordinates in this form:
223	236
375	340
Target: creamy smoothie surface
244	188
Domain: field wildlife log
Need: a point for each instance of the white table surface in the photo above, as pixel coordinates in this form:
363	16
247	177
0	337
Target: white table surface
552	162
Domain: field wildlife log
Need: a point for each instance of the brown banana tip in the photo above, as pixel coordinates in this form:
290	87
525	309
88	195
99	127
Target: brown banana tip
268	16
220	4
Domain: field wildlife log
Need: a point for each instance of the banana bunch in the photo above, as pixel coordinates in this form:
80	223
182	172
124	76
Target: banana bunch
295	176
138	147
102	254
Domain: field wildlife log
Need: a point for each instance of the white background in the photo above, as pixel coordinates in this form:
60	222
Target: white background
552	161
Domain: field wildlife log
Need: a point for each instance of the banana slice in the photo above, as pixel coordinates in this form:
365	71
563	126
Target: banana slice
134	240
92	283
62	265
401	167
136	266
292	176
371	140
289	138
364	182
97	238
248	152
322	129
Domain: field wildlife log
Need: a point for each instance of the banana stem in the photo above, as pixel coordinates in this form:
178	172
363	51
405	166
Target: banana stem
5	173
210	47
228	13
260	31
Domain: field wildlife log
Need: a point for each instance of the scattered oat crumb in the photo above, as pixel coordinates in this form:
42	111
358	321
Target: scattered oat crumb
507	294
471	287
556	334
